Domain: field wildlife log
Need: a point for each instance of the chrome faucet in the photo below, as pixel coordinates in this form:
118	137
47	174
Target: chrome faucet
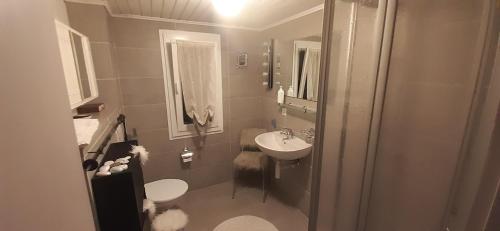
287	132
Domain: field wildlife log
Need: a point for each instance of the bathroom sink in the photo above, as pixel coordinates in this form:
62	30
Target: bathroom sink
273	144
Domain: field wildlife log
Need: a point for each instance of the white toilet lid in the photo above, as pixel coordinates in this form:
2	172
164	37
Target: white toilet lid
165	190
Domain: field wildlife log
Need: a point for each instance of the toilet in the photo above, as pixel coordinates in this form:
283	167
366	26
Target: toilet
166	193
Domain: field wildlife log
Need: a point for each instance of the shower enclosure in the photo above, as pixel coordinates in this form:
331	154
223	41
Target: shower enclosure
409	97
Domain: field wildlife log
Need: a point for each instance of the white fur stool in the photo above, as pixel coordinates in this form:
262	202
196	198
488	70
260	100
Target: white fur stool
170	220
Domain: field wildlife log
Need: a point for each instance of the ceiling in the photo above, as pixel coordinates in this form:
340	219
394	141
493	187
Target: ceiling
257	14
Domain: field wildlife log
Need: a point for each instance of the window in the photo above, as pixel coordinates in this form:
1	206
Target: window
178	65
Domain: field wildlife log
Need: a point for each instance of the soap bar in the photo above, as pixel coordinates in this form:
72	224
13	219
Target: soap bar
118	168
122	161
104	168
103	173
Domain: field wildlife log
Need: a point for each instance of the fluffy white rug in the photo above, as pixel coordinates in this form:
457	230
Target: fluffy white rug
149	205
171	220
246	223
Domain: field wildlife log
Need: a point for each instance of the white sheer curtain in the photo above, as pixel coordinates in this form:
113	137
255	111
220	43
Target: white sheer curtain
310	75
196	65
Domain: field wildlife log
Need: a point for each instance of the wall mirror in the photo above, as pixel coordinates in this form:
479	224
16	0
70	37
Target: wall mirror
299	66
77	65
305	73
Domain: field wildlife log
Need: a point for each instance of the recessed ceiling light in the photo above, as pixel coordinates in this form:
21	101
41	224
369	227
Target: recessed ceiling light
228	8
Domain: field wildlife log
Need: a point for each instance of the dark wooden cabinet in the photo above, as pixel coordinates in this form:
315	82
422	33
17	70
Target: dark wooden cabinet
119	197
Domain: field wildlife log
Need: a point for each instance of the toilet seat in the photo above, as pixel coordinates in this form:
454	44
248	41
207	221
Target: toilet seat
165	190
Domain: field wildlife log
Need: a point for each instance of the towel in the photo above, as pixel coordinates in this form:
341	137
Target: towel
85	129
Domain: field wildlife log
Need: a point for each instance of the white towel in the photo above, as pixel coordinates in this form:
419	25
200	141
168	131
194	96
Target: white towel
85	129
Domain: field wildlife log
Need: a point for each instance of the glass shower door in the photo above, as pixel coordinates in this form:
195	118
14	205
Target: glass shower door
399	105
353	74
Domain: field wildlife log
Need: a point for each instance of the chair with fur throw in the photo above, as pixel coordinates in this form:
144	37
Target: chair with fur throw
250	158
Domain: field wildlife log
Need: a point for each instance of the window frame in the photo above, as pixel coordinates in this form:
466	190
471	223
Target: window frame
177	128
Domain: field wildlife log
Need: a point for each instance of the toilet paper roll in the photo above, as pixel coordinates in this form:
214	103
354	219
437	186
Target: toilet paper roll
187	155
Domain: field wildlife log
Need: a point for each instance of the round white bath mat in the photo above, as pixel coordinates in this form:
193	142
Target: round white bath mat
246	223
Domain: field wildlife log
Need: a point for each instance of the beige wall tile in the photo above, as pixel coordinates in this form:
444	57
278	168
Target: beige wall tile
164	166
91	20
109	94
146	117
137	33
138	91
213	155
102	58
244	86
157	141
246	108
133	62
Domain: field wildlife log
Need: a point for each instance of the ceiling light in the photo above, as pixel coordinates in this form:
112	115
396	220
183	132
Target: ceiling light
228	7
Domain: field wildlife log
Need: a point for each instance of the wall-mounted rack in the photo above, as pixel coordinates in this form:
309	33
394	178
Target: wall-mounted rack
91	162
268	64
304	109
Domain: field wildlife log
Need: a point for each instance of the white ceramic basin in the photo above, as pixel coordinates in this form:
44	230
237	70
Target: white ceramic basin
273	144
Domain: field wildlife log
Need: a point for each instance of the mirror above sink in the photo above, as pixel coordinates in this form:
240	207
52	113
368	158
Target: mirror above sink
305	73
296	70
296	51
299	60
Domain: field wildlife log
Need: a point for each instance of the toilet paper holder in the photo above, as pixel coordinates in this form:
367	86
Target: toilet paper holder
187	155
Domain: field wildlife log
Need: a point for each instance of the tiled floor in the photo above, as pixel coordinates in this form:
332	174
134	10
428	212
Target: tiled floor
208	207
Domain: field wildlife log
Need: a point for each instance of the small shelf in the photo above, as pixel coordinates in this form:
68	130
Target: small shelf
301	108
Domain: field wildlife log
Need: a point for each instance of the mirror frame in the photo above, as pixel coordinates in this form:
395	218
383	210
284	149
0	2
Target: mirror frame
89	64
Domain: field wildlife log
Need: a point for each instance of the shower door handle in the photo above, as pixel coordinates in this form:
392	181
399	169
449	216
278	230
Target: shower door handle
176	88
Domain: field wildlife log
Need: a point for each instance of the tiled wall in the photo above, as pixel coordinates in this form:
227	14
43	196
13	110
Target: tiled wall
141	78
93	21
129	55
294	185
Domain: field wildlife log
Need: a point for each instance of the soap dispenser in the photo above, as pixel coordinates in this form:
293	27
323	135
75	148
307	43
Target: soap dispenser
281	95
290	91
